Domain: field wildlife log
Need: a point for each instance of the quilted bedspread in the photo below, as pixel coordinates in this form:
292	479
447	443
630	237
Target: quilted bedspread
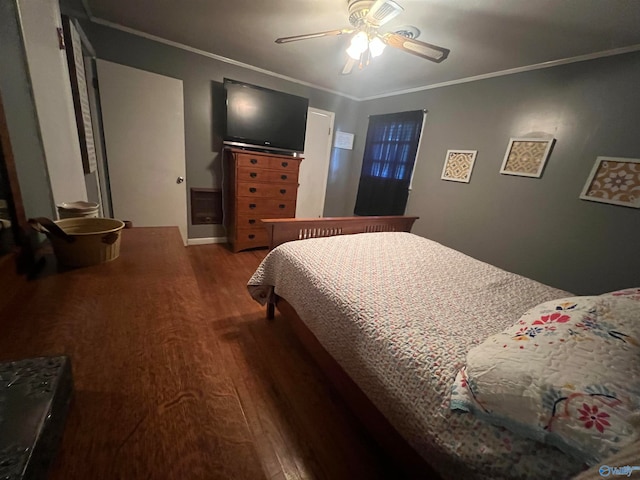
399	313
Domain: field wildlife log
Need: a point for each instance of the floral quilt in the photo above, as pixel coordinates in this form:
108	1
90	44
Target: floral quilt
567	373
399	313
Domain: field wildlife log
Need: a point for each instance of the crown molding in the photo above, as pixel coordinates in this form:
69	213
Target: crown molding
512	71
475	78
214	56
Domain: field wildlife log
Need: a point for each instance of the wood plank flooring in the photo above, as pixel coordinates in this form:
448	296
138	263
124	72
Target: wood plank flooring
179	375
301	428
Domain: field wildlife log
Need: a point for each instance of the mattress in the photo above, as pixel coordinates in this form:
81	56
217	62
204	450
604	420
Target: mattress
399	312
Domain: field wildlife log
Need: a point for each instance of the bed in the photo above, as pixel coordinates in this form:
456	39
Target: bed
392	316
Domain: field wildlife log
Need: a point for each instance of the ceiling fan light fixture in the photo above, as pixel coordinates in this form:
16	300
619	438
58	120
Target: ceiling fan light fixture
376	47
359	45
366	17
354	52
360	41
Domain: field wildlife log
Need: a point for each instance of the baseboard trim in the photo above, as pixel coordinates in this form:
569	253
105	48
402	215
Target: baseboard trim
206	241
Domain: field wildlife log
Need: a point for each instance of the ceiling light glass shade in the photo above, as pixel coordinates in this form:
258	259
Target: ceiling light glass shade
376	47
360	41
359	45
354	52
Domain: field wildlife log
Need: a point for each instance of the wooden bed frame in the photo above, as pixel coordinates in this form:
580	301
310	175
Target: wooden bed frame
283	230
386	436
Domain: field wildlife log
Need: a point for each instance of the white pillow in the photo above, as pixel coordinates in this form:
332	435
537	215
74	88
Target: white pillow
567	374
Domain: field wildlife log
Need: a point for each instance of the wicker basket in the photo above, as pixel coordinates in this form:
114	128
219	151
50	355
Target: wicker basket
80	242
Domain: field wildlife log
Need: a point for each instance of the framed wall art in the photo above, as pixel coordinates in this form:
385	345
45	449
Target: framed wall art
526	157
614	180
458	165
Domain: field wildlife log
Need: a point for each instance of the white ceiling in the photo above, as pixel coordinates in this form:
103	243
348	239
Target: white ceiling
484	36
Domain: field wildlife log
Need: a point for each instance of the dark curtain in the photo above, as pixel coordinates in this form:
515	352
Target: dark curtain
389	156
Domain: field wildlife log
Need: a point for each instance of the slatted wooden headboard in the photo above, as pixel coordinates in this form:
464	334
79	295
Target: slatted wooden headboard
281	230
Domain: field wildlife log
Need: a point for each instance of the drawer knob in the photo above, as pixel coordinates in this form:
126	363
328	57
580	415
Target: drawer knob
283	191
282	205
252	205
253	174
252	221
251	236
285	164
283	177
253	161
252	190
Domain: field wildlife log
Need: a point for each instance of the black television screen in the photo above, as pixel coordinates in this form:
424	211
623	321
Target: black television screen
264	118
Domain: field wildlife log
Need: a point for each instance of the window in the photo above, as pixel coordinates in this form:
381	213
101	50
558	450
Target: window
389	156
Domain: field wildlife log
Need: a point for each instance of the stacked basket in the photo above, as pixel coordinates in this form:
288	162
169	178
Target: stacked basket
78	209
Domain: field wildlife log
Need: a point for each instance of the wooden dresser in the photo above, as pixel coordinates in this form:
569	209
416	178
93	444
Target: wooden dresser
258	185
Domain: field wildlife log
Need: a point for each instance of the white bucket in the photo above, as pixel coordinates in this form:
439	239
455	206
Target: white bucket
78	210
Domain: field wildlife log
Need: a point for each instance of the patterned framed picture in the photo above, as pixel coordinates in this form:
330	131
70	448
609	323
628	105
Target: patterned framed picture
526	157
614	180
458	165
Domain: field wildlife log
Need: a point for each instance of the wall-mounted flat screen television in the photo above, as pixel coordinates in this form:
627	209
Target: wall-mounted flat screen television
266	119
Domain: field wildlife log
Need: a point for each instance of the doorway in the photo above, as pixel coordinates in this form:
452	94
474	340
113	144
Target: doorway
390	153
314	169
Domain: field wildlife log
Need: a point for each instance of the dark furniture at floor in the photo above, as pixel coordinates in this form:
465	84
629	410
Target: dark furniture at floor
35	395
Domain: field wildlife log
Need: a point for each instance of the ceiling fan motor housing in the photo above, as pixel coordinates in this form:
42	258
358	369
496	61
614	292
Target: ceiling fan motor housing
358	10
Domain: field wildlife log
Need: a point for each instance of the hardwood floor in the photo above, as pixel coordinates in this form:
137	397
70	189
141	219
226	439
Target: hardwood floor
179	375
301	429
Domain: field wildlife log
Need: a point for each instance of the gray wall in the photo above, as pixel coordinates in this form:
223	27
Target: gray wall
202	77
22	121
535	227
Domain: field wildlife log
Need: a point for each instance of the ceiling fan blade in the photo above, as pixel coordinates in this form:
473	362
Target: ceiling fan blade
421	49
348	67
328	33
382	11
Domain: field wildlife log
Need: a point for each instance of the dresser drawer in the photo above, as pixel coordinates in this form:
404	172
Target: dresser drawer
284	164
266	190
265	207
251	237
248	221
249	160
253	174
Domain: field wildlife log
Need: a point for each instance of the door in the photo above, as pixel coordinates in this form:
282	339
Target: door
314	169
390	153
143	121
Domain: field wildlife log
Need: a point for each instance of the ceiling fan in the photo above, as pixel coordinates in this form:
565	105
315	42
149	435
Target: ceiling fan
366	17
